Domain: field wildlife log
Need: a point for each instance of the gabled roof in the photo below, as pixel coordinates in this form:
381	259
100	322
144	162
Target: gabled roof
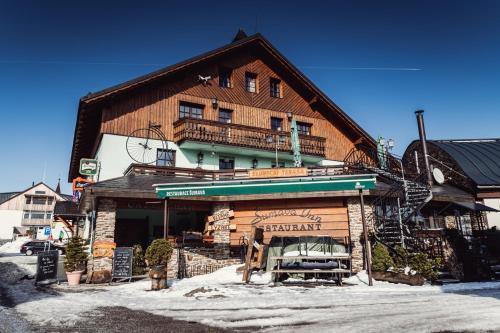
239	41
11	195
478	158
7	195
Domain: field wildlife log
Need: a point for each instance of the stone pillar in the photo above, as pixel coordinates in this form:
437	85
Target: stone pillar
222	235
105	220
356	230
104	230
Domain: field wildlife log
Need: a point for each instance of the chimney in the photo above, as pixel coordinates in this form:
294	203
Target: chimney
423	143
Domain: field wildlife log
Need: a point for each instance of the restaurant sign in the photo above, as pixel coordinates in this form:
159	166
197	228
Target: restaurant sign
249	187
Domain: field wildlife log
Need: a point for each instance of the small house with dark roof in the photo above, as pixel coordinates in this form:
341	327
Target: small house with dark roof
471	170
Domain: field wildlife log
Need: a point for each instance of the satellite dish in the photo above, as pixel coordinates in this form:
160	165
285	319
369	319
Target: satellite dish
438	175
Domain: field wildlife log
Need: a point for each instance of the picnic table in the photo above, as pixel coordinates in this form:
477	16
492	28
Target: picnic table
342	265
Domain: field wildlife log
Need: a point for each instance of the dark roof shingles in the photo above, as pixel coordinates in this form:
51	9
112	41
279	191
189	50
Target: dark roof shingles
479	159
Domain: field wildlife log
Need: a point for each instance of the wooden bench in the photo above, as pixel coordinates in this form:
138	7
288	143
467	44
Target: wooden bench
335	272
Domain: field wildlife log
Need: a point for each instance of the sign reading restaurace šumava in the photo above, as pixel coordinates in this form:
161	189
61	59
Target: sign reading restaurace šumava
249	187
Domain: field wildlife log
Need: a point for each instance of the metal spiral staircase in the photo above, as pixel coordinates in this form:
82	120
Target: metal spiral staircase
395	212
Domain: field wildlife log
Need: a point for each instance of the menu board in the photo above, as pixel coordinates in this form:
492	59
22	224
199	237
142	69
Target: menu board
46	267
122	263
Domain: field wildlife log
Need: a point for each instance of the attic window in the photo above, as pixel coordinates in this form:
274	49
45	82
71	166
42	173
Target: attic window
251	82
275	87
225	78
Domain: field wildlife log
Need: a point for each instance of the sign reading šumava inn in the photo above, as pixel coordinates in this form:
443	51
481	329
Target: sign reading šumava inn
88	167
308	221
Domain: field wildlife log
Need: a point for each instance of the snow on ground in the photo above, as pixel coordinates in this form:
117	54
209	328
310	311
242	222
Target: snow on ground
14	246
221	299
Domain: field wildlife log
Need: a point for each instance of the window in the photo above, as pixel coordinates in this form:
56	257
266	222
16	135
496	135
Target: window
39	192
280	164
165	157
251	82
188	110
276	124
225	116
304	128
28	200
225	78
39	201
26	215
38	215
49	201
49	216
275	87
226	163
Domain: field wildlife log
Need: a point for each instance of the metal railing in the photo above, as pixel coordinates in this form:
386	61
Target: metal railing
202	174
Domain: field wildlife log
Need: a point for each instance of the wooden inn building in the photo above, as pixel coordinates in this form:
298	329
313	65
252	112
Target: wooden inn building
205	150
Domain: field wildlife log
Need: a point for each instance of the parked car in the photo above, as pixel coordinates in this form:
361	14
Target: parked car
34	247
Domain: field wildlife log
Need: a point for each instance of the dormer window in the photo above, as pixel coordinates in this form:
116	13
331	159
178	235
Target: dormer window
251	82
225	78
275	87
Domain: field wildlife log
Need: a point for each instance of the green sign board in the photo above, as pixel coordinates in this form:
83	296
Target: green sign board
225	188
88	166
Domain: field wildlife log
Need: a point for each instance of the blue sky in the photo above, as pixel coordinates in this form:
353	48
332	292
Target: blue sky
54	52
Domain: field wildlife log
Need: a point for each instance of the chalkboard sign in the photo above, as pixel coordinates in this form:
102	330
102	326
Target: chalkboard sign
122	263
46	268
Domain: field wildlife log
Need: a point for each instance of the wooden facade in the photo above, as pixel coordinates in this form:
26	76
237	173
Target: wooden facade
156	98
161	105
296	217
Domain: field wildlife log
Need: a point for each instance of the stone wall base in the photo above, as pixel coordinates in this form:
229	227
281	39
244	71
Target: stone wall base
198	261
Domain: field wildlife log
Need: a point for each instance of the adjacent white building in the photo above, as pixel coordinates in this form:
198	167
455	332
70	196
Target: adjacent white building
28	211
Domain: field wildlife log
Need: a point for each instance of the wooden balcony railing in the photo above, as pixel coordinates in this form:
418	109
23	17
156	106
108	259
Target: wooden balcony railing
202	174
244	136
37	222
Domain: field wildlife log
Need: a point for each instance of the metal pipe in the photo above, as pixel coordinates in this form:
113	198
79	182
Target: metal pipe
165	219
423	142
368	254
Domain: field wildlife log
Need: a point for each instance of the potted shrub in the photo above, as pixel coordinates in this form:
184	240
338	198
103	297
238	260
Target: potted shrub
157	256
74	264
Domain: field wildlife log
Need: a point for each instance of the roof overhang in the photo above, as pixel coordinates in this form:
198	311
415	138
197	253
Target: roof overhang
265	186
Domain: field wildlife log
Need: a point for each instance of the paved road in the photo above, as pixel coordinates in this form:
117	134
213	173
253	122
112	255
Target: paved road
120	319
104	319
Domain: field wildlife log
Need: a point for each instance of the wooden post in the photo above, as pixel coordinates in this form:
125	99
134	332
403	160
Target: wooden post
368	254
165	219
248	258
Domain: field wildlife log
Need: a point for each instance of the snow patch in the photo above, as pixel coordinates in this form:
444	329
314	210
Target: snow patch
14	246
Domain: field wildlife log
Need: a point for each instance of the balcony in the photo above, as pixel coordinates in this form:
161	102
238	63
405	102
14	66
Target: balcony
35	222
213	132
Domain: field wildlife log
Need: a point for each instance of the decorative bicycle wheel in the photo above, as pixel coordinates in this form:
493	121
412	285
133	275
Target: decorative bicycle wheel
143	144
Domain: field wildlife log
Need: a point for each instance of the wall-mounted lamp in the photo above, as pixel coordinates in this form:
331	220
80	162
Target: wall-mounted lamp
289	115
200	158
215	103
255	162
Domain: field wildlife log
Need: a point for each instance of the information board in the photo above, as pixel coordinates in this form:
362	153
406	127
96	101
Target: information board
122	263
46	267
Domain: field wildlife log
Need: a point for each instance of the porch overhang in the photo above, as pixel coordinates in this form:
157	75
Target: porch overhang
265	186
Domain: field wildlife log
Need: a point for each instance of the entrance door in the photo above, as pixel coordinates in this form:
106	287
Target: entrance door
129	232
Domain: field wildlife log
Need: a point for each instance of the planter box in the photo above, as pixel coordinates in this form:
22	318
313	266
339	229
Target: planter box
412	280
